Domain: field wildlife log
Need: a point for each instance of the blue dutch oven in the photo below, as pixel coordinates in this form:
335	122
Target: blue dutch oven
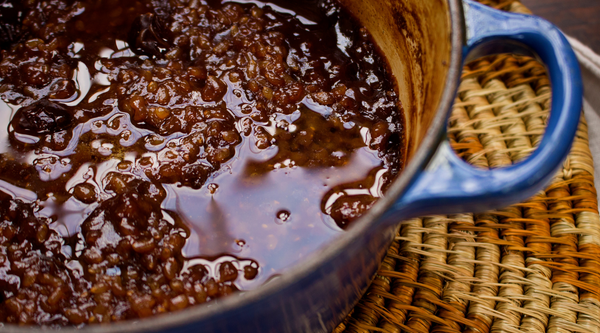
426	44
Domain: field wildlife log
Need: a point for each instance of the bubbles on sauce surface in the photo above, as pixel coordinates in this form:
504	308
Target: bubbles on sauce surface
180	151
283	216
212	188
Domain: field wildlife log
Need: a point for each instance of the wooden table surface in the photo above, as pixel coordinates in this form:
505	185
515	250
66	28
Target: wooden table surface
577	18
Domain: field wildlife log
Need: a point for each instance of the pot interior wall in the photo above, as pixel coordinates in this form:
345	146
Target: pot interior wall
414	36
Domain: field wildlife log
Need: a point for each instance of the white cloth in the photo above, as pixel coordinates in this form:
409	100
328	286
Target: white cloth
590	72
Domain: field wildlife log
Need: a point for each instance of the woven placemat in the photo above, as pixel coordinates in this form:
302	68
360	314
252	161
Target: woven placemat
530	267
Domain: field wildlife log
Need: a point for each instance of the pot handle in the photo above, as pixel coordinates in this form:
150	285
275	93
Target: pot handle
448	185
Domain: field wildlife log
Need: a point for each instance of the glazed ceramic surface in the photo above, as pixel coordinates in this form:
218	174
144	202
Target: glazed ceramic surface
425	43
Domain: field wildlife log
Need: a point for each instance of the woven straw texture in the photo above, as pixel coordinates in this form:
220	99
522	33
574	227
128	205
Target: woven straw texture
531	267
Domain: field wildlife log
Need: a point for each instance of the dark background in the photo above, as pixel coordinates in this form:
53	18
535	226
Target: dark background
577	18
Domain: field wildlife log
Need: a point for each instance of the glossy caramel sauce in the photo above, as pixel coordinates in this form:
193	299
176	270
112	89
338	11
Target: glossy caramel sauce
159	154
